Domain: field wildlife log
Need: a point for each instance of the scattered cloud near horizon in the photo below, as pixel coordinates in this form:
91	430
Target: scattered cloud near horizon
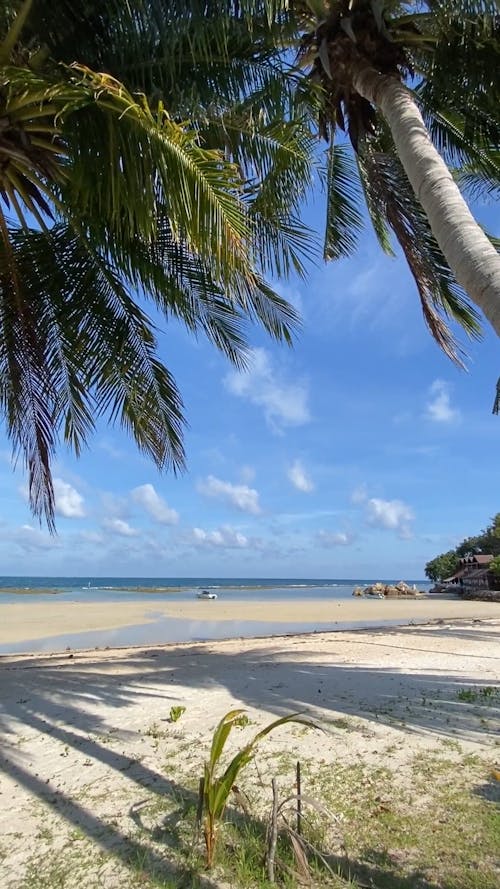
120	527
242	497
299	478
225	537
394	515
31	540
439	408
155	506
335	538
68	501
284	402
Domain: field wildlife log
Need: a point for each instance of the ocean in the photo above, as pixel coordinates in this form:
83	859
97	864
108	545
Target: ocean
115	589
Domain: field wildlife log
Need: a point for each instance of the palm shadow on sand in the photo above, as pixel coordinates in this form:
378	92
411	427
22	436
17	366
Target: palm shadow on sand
61	696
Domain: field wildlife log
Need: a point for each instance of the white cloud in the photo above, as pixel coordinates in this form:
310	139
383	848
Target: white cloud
299	478
335	538
241	496
391	514
225	537
120	527
69	503
155	506
284	403
31	539
439	408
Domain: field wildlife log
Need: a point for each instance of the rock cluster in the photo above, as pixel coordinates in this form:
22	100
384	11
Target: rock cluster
388	590
482	595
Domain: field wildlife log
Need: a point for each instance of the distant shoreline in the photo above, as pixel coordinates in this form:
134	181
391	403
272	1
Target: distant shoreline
151	589
204	579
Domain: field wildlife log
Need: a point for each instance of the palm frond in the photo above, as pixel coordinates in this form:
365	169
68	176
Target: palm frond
343	215
496	403
26	392
282	243
441	298
476	185
75	345
463	68
448	131
142	153
375	203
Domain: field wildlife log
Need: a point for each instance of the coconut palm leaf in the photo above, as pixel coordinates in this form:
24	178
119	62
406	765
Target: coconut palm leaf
75	345
391	199
475	185
143	152
454	49
183	286
26	392
344	220
166	149
108	226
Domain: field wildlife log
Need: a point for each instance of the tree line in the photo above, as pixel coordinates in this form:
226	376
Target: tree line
486	542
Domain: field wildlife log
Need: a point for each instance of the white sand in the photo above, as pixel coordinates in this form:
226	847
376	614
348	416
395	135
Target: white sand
86	736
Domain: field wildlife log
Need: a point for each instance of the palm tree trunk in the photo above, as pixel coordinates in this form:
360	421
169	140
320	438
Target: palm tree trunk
470	255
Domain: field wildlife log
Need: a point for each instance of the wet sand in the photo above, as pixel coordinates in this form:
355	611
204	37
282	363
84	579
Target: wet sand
39	620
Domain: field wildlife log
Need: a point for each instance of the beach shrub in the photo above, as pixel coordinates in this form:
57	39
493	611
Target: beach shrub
494	566
176	713
487	541
215	788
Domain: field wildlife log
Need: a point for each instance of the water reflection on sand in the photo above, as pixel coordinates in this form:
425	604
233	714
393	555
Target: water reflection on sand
169	630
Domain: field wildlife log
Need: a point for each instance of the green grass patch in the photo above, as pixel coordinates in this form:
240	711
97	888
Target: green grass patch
434	826
488	694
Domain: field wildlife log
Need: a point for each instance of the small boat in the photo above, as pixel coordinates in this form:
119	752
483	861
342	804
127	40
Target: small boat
206	594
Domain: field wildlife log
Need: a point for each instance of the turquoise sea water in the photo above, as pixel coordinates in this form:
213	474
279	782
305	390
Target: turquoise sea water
153	591
115	589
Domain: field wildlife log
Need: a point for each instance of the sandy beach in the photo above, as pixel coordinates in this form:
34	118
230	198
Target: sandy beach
87	740
23	621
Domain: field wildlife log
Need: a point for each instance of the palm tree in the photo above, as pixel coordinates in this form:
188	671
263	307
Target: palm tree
413	90
164	148
404	80
124	172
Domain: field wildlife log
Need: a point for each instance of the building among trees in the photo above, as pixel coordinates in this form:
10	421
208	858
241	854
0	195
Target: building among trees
474	573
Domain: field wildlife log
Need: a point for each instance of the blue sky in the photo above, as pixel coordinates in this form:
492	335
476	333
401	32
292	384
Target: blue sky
361	452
